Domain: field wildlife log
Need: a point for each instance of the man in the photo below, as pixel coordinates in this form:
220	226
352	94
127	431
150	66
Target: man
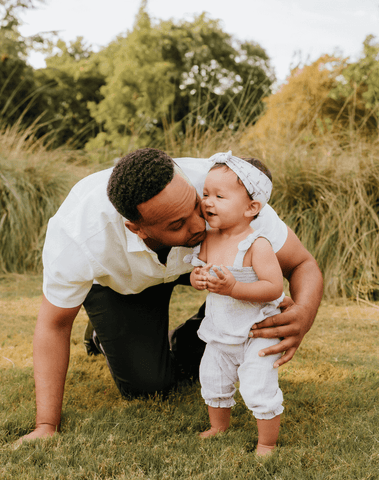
116	246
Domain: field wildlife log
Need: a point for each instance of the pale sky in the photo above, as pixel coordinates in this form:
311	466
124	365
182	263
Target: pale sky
282	27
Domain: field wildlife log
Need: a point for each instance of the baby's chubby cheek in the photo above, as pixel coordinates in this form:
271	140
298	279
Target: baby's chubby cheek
202	205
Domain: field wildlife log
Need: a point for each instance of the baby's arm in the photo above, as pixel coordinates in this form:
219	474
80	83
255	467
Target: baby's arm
199	275
269	286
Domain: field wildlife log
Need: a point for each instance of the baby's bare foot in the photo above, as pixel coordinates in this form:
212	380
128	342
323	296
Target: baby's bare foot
211	432
265	450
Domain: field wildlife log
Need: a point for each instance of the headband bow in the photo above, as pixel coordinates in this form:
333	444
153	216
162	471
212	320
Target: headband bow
255	181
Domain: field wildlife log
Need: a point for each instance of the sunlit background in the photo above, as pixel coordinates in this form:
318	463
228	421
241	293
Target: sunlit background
291	31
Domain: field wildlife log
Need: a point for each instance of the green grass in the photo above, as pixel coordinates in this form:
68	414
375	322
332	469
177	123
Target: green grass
330	427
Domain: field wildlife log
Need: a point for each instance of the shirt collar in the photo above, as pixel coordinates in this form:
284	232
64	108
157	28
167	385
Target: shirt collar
135	243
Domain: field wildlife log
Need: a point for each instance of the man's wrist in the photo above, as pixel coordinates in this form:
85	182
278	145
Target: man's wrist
308	315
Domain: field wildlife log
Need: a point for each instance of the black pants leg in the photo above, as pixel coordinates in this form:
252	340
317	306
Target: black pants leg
133	332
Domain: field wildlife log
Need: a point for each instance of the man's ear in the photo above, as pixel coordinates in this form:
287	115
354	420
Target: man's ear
136	228
253	209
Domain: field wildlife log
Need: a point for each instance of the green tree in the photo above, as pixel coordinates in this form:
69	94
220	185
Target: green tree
138	91
301	106
70	81
222	79
12	43
181	73
331	96
21	99
55	98
357	90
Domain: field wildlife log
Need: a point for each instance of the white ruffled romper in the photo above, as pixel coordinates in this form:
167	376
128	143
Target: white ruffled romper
230	355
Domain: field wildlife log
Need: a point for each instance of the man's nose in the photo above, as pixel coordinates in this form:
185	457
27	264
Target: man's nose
198	223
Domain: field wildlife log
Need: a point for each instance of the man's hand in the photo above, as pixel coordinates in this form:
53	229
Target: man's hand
291	325
222	284
306	287
51	351
44	430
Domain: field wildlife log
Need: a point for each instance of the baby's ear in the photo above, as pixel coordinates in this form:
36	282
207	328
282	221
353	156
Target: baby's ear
253	209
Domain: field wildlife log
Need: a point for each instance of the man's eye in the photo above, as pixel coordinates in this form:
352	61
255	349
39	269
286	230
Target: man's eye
177	227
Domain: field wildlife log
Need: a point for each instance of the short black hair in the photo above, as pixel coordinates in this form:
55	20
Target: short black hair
138	177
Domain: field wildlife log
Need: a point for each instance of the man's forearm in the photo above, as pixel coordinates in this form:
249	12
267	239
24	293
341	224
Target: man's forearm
51	357
304	276
298	314
306	287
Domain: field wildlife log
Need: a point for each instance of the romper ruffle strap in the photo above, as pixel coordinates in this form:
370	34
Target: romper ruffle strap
193	258
244	246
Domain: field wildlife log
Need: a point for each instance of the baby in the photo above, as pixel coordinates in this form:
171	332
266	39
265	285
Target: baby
245	293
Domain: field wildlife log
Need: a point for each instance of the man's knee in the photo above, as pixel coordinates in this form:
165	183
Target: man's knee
145	385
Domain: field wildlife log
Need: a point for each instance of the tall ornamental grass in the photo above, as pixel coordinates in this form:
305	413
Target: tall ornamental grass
33	183
327	190
336	216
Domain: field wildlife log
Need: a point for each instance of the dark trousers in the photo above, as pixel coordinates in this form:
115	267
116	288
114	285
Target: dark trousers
133	333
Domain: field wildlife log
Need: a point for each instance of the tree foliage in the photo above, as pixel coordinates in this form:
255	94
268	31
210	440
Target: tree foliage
69	82
21	100
20	96
177	73
298	103
160	74
171	76
138	91
358	89
213	70
330	96
12	43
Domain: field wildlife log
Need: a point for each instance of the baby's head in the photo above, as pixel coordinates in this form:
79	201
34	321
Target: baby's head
259	165
250	174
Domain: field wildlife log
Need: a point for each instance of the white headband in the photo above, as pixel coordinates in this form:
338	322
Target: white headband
255	181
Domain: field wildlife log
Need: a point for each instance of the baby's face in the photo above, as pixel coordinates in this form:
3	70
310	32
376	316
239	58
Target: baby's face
225	201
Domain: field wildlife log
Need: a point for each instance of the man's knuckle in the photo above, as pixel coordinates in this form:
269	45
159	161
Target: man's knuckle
272	321
276	332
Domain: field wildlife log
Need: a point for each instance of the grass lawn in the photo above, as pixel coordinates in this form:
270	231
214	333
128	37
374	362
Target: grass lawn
330	426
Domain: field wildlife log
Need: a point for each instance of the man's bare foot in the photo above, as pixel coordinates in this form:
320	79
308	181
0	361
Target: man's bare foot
41	431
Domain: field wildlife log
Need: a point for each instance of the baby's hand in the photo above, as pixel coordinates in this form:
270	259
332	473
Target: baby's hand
223	284
199	277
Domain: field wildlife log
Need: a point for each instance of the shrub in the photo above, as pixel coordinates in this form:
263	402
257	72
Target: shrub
33	183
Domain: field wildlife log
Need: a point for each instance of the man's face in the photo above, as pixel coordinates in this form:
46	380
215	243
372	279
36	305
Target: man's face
173	217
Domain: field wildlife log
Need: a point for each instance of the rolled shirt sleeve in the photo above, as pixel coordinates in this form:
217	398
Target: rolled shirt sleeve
272	227
68	274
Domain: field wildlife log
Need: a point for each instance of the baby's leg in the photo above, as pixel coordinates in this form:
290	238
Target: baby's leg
217	377
268	432
260	390
219	418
